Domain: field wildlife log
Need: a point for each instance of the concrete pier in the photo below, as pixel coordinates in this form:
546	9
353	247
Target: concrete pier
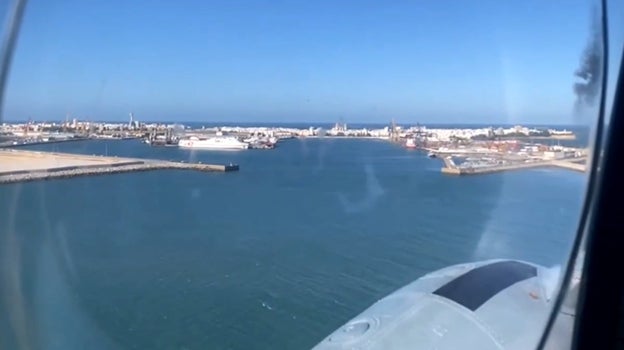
452	169
570	165
22	166
18	142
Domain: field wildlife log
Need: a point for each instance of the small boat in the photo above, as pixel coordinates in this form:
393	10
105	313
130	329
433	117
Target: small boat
431	154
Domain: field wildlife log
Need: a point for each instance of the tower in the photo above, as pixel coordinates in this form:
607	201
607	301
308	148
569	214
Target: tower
394	134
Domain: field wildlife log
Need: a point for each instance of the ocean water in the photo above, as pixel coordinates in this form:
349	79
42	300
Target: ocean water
277	255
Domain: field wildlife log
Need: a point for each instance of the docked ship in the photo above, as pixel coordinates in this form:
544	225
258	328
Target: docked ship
261	142
410	143
220	142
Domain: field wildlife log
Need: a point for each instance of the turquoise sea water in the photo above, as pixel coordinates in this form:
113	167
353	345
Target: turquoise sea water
277	255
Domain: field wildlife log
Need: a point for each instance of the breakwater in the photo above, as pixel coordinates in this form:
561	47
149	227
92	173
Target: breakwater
23	166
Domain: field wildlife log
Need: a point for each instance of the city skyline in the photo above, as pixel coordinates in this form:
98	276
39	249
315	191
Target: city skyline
299	124
252	61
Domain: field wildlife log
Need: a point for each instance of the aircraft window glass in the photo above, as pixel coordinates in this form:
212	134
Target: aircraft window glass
252	175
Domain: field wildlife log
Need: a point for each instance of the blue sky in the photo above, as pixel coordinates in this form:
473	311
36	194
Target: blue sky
484	61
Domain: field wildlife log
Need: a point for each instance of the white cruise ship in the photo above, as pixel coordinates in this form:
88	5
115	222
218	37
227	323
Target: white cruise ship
220	142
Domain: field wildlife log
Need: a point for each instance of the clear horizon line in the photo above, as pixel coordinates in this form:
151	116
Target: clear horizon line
311	123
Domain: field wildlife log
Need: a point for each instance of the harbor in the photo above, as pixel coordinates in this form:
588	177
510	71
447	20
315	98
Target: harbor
239	223
23	166
464	150
451	168
484	158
